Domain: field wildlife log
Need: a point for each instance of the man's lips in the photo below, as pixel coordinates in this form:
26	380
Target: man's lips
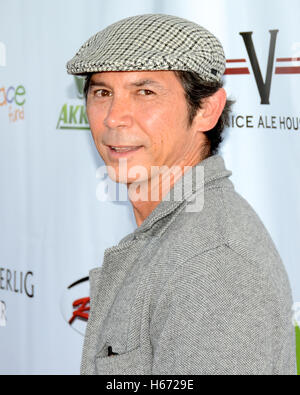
126	152
125	146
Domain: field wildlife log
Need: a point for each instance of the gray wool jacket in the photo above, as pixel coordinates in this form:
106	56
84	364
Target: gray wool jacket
199	292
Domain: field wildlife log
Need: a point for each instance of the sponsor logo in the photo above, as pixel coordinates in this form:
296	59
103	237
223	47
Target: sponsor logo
2	54
75	305
14	98
284	65
268	122
2	314
17	282
73	114
276	66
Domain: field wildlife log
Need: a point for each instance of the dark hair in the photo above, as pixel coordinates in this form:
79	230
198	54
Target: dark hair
196	90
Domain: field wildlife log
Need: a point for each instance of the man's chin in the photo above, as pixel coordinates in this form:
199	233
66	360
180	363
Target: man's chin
124	179
128	175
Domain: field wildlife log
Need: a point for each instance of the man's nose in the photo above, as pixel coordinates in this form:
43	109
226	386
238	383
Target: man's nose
119	114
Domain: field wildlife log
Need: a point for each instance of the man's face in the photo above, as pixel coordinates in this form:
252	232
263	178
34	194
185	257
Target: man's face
140	109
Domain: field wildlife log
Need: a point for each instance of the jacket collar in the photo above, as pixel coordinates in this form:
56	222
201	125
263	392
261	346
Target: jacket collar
186	187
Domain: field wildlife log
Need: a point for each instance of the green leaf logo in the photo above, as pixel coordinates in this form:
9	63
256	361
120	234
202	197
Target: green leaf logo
79	82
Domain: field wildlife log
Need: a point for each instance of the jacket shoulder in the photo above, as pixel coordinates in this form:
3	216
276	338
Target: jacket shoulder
226	218
226	223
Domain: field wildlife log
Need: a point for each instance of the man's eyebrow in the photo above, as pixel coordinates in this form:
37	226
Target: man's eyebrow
136	84
98	83
146	82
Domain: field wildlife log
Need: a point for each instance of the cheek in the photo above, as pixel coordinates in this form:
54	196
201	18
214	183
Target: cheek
157	118
163	123
95	116
152	121
96	121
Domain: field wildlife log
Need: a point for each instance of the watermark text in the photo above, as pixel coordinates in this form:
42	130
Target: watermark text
152	185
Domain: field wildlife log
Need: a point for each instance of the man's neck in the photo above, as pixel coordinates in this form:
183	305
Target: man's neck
146	196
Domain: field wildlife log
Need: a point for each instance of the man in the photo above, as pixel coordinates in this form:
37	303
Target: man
198	287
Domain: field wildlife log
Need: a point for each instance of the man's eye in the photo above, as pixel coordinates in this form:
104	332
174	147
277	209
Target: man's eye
146	92
102	93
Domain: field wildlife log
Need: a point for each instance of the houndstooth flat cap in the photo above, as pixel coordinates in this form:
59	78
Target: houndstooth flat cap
152	42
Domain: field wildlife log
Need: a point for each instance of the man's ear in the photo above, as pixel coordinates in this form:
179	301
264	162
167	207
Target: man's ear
212	108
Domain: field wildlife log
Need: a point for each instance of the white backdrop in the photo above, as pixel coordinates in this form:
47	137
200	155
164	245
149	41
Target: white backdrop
53	230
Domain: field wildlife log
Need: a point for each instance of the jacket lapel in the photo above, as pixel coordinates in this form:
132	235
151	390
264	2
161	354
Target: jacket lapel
105	283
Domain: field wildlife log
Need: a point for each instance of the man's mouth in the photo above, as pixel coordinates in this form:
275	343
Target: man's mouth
121	151
124	149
